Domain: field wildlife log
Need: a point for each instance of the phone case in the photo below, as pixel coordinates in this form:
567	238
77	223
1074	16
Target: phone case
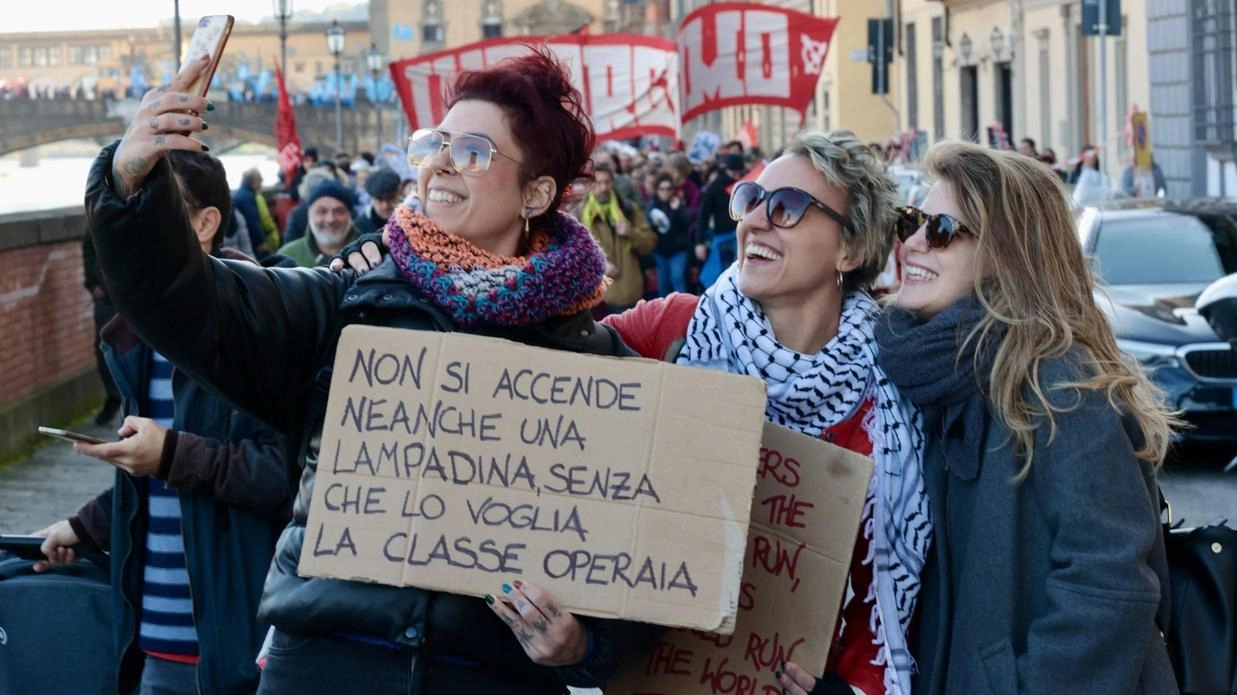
70	437
210	37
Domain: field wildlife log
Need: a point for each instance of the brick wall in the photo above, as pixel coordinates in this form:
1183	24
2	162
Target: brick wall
46	326
46	313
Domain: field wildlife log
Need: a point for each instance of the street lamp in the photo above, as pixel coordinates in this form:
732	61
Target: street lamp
376	63
997	38
283	12
964	48
335	46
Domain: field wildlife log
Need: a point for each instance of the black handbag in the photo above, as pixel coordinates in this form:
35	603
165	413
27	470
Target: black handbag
1201	630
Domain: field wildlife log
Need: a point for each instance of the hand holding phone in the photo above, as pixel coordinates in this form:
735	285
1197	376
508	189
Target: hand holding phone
208	39
69	436
168	116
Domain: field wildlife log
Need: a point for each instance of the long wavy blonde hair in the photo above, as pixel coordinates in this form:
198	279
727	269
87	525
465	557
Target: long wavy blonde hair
1035	284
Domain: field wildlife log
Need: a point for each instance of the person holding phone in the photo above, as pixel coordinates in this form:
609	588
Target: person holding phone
201	494
491	254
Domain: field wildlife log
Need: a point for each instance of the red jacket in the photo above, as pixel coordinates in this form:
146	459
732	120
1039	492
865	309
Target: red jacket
651	329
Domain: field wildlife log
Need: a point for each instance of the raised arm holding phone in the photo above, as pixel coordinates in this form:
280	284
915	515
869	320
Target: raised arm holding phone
265	339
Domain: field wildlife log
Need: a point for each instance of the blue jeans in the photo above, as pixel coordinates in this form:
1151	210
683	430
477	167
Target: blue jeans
671	273
163	677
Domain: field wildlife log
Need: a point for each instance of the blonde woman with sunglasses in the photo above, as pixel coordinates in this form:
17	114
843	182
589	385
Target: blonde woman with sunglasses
489	253
814	231
1043	444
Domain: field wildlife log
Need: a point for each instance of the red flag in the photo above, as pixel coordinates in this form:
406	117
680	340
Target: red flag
738	54
285	131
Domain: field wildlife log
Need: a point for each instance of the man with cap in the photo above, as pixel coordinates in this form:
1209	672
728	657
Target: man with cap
330	226
383	187
715	206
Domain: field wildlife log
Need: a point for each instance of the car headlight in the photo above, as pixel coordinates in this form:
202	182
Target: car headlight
1150	355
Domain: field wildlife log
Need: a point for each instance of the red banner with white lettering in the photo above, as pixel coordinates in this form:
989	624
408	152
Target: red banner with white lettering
736	54
629	82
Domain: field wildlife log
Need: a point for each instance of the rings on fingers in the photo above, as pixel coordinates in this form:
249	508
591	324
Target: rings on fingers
154	124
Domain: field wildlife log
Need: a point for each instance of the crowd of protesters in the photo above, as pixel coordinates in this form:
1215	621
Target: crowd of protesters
994	403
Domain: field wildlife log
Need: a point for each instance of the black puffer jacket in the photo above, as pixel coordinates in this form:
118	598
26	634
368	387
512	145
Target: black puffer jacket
265	340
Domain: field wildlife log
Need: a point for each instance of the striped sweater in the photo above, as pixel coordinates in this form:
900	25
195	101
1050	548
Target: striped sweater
167	628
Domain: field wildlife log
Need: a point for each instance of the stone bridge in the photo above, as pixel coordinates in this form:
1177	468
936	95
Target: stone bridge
27	123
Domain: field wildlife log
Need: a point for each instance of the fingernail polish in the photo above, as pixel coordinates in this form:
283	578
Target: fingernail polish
518	584
489	600
783	665
205	125
205	148
210	106
506	588
777	675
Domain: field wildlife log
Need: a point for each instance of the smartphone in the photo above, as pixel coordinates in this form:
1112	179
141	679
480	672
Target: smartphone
70	437
210	37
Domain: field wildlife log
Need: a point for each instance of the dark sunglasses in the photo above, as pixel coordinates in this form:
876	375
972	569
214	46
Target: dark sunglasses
784	207
471	153
941	229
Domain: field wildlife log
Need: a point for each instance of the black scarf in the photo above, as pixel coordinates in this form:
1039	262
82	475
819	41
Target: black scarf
927	362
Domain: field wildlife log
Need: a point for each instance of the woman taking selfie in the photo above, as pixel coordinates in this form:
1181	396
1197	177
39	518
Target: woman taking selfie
814	232
1043	444
491	254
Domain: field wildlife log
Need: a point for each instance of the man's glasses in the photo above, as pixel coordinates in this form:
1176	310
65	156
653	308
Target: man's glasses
784	207
471	154
941	229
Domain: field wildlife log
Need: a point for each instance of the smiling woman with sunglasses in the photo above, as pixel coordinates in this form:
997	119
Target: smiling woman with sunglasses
814	231
1043	443
490	254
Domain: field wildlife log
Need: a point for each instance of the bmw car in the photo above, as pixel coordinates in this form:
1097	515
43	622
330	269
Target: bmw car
1153	258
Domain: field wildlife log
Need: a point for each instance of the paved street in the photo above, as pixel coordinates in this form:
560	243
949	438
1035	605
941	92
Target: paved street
52	483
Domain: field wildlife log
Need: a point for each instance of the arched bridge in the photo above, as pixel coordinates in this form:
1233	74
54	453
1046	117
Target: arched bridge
26	123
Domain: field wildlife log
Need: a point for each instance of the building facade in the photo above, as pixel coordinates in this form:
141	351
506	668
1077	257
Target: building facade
1193	79
406	28
974	69
103	61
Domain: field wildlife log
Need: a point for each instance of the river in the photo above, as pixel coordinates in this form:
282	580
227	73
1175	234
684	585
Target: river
57	182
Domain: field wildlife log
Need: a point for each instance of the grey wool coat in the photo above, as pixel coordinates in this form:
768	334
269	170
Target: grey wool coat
1052	584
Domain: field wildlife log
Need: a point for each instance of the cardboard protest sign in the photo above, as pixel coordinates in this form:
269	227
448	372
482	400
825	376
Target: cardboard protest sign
809	498
456	463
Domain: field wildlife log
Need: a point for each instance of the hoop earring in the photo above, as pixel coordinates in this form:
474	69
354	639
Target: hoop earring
841	280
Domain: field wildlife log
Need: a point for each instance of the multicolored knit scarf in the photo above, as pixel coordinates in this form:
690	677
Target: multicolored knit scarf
563	273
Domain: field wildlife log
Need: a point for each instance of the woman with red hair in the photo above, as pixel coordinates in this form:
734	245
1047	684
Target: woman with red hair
489	253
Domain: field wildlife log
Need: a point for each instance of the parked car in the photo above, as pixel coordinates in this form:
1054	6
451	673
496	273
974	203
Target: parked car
1154	257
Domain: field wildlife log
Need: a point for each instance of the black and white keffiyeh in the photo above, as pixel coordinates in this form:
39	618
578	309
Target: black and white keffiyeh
810	393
